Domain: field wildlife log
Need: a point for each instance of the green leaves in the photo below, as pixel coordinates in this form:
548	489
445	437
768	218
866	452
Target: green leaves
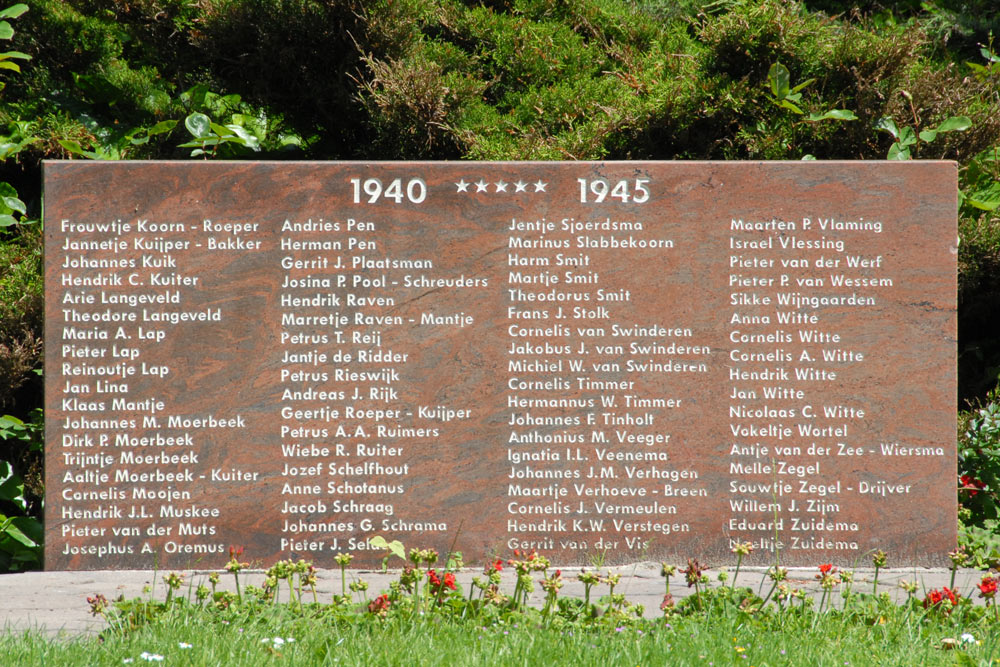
832	114
783	94
13	11
787	97
906	137
239	137
985	199
142	135
7	32
20	536
9	204
953	124
116	146
392	548
780	80
20	137
198	124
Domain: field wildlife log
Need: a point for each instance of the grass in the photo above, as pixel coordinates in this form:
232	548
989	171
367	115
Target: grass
188	634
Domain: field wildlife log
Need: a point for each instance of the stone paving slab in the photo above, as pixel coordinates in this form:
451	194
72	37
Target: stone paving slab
56	602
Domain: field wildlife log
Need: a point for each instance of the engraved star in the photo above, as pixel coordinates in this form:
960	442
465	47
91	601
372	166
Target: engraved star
462	186
481	185
501	186
540	186
520	186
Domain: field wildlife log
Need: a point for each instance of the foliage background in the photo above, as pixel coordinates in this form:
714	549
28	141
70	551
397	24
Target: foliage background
496	80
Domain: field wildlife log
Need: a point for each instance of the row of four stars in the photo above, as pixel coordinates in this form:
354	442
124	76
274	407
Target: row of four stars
501	186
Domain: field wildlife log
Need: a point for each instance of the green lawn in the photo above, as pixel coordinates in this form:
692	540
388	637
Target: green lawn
186	634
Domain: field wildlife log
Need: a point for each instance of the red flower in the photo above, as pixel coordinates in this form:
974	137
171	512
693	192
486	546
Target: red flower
824	569
936	597
379	605
971	484
436	582
498	565
988	587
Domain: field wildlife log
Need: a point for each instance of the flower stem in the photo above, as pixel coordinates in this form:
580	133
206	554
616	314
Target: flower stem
767	597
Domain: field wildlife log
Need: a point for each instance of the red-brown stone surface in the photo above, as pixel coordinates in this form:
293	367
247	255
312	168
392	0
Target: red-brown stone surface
634	360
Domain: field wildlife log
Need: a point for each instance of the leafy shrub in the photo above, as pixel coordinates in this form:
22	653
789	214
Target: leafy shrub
21	492
293	55
979	462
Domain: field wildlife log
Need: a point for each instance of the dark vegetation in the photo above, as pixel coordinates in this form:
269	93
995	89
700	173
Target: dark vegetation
493	80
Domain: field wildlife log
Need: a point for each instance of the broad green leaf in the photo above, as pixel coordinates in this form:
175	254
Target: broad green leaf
898	152
13	11
889	125
6	31
195	96
138	137
76	149
15	204
987	199
907	137
808	156
955	124
988	55
201	142
231	101
15	54
11	530
395	546
785	104
31	527
70	145
197	124
928	135
12	491
10	420
6	64
246	138
832	114
141	135
7	220
802	85
977	68
7	190
779	78
162	127
221	130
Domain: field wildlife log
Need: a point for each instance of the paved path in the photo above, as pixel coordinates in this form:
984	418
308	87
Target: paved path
56	602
